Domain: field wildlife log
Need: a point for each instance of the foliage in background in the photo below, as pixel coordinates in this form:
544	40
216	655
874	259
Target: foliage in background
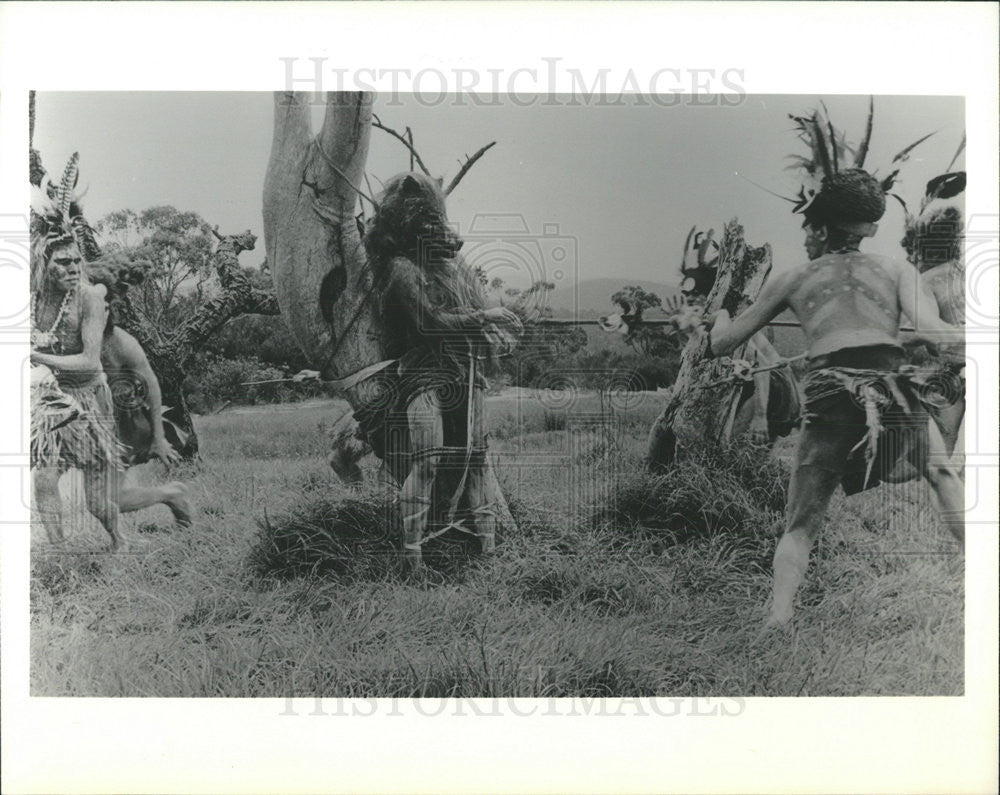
178	248
660	341
214	381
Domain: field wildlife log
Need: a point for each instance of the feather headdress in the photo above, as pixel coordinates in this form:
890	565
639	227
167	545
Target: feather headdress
55	216
934	233
835	185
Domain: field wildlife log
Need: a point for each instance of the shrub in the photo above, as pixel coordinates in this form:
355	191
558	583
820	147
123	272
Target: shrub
554	421
214	380
737	488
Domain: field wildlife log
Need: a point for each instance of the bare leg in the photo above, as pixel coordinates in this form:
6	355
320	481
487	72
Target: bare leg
947	489
950	419
809	495
480	497
174	495
101	487
504	518
48	506
426	433
958	452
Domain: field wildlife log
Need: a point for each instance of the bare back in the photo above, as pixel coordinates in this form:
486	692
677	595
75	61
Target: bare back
946	283
846	300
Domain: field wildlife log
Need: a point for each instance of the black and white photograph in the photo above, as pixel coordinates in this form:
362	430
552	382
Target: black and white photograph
479	389
380	408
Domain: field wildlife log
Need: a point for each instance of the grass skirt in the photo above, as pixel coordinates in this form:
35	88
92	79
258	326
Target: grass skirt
72	427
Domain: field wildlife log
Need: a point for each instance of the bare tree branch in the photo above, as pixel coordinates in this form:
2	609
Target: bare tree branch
469	163
414	155
336	169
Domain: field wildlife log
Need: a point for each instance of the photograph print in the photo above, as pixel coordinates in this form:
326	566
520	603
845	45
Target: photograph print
389	395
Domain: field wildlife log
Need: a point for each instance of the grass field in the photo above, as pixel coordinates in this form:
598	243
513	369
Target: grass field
568	606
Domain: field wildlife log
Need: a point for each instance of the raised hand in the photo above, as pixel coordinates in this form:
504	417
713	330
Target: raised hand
687	318
305	376
503	316
163	450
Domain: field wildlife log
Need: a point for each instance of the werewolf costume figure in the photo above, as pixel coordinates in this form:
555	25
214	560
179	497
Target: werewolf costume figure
864	410
429	428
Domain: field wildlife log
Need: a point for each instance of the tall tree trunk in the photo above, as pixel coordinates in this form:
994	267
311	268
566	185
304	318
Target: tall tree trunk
321	276
697	414
320	270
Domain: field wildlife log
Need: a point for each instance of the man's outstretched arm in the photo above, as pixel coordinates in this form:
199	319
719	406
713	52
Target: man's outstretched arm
136	360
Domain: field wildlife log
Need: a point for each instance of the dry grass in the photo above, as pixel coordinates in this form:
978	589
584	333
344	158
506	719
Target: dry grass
288	584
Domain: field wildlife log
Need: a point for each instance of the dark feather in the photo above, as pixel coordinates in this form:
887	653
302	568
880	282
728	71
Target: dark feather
903	156
824	155
889	181
833	144
946	185
961	148
859	160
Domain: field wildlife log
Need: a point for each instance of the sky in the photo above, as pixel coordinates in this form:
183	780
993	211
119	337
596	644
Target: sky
622	185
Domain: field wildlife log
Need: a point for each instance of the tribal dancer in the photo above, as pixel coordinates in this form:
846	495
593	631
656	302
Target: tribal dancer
864	411
75	421
933	243
68	320
442	336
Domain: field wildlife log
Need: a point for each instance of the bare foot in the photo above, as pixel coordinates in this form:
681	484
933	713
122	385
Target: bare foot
413	563
180	504
775	624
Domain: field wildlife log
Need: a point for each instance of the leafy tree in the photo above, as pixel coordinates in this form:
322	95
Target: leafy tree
178	247
657	341
540	344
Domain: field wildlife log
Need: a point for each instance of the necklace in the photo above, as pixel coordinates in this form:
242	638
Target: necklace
48	339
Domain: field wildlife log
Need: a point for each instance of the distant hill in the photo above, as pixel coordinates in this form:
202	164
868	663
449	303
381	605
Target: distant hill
592	297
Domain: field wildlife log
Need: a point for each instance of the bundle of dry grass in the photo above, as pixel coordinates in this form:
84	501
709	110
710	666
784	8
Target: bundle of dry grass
327	533
349	535
736	488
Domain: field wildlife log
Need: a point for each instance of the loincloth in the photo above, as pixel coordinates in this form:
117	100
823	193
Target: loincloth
73	426
384	423
135	431
864	415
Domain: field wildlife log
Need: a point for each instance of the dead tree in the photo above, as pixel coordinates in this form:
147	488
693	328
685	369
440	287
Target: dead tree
699	410
321	275
171	354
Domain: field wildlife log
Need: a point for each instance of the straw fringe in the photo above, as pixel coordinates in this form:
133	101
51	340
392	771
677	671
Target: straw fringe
74	427
875	392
